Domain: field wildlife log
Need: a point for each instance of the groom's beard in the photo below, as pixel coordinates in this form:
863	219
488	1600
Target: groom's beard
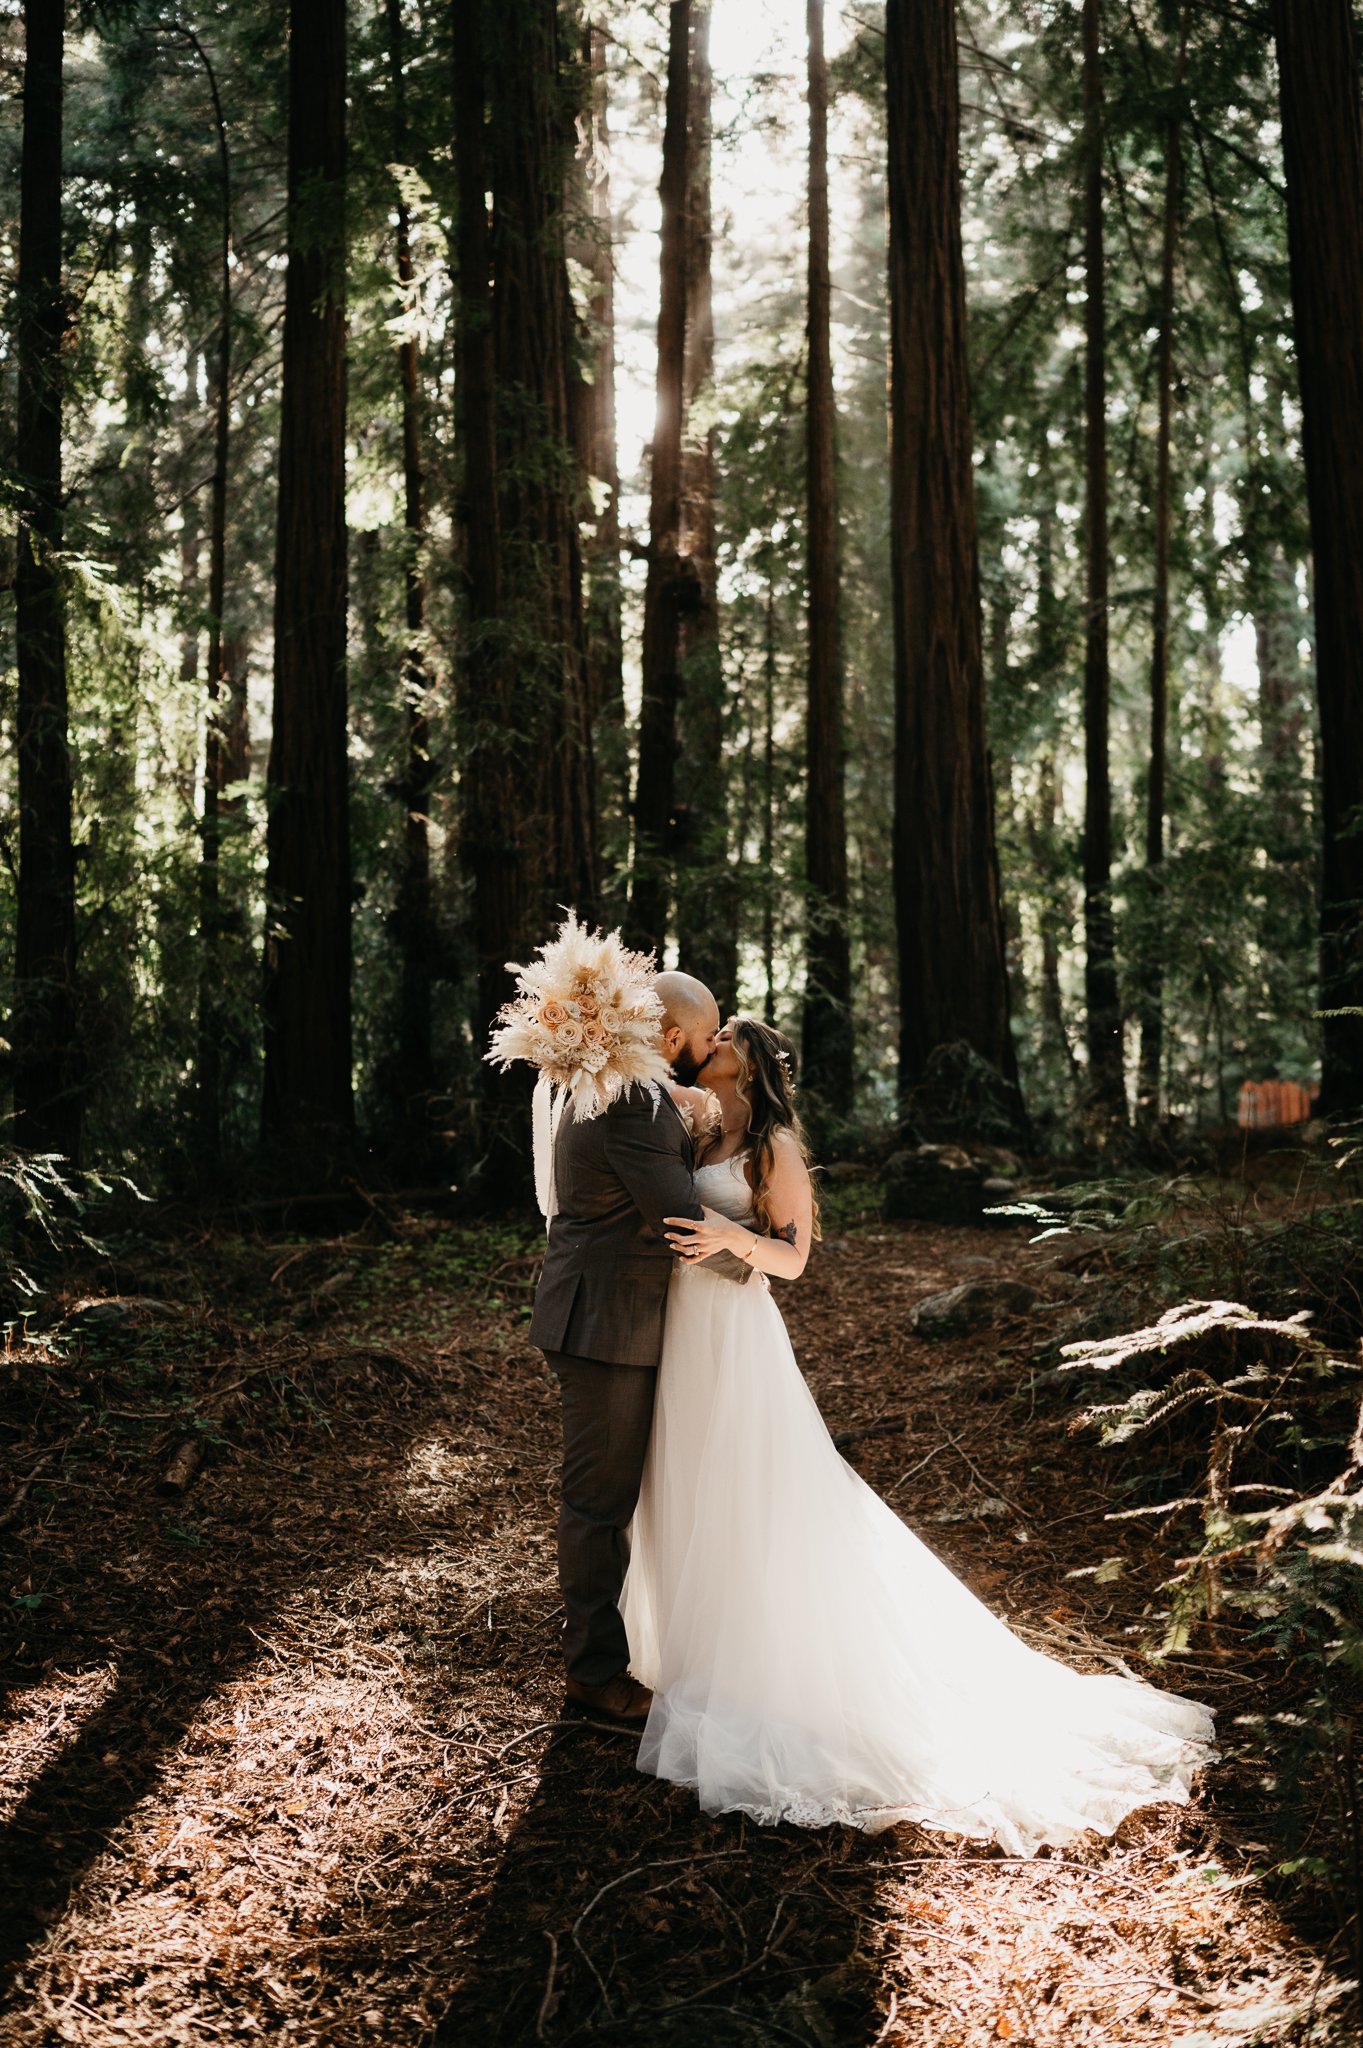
686	1068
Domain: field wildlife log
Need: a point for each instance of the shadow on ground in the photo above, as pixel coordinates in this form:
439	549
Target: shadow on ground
620	1914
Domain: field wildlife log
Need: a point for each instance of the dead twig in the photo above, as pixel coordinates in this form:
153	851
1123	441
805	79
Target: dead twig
547	2001
891	1426
20	1494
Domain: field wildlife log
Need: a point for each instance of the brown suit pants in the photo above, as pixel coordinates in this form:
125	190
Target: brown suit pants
607	1416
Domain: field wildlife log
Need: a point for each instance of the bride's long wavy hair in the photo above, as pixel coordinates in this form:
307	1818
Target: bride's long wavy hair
767	1063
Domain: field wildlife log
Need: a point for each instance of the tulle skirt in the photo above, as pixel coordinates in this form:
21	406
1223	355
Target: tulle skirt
813	1661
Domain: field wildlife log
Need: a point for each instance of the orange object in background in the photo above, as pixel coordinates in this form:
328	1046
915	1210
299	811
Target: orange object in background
1274	1102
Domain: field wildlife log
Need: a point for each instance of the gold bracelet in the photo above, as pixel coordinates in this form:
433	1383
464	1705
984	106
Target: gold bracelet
751	1252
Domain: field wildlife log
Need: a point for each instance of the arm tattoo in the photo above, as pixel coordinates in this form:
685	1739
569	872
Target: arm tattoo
788	1232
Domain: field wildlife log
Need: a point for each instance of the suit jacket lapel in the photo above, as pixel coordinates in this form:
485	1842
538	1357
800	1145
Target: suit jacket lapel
690	1149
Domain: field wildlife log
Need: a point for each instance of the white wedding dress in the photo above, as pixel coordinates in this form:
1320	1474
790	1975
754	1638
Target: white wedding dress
811	1659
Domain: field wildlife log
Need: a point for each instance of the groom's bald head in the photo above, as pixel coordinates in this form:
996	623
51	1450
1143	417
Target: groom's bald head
687	1003
690	1021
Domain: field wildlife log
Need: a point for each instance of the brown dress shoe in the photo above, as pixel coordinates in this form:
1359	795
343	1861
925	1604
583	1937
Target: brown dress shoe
620	1699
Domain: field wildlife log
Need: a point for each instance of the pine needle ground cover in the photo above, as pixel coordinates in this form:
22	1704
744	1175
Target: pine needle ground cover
281	1752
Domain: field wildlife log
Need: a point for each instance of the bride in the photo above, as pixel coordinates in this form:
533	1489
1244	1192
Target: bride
811	1660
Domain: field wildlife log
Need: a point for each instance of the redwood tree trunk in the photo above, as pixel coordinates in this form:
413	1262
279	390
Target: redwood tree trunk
1107	1089
1152	991
211	1018
827	1032
707	910
47	1098
528	812
1323	156
307	1095
413	918
655	784
953	984
547	726
594	405
1282	708
488	837
1042	832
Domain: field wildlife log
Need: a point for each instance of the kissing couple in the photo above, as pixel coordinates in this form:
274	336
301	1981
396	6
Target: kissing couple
733	1590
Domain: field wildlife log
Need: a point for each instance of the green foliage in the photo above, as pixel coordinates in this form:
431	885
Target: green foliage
45	1208
1247	1428
1230	915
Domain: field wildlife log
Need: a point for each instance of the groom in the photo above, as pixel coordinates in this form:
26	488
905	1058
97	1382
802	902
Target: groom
598	1319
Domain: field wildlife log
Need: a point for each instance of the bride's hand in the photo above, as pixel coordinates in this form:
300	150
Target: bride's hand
692	1240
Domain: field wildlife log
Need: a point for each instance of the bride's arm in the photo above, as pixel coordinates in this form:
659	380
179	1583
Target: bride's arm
790	1202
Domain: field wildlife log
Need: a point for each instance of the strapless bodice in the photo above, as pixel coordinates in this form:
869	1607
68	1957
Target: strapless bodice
724	1186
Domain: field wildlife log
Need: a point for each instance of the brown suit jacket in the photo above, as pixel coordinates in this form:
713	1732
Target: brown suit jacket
603	1291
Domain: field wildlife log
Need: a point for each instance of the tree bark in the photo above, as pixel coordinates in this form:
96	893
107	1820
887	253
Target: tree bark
413	913
655	782
488	807
1152	988
47	1098
1323	157
211	1022
827	1021
528	826
236	725
1106	1083
540	546
1282	719
307	1093
594	406
707	909
953	983
1053	922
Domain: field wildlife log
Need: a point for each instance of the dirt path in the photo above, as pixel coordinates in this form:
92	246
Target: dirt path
279	1758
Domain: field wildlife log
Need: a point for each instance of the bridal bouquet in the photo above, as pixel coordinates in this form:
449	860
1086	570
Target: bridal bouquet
586	1014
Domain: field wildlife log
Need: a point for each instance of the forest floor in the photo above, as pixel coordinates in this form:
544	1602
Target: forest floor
280	1757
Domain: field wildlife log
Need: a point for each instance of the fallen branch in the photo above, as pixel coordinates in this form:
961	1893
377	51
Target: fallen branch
948	1444
891	1426
185	1461
547	2002
21	1491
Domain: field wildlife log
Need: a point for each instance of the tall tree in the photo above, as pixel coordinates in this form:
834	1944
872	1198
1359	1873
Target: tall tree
1282	720
488	840
655	782
707	925
1107	1089
595	434
47	1098
827	1023
211	1020
1152	989
528	826
307	1092
953	985
413	910
531	126
1323	156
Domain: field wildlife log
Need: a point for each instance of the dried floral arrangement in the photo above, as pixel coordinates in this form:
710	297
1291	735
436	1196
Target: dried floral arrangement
586	1015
